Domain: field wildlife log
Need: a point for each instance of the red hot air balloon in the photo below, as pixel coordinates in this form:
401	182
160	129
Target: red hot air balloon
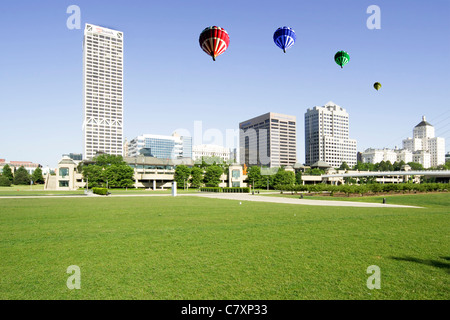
214	41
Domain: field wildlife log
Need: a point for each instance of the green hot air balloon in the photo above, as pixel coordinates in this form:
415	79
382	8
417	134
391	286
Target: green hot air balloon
377	86
342	58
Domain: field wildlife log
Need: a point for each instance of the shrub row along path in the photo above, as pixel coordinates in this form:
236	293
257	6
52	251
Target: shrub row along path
237	197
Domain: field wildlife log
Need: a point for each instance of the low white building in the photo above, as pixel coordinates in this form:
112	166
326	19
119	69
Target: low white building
393	155
378	155
210	150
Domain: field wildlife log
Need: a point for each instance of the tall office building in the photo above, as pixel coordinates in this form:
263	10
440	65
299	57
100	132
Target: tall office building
268	140
327	136
424	141
102	91
163	147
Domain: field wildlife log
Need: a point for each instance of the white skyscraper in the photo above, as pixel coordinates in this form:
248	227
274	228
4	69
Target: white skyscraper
327	136
424	141
102	91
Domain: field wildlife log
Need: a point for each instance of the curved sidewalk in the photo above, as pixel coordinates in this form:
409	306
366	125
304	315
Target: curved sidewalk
343	203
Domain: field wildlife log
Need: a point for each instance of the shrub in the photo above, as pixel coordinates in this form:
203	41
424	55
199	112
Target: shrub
211	189
236	190
100	191
4	182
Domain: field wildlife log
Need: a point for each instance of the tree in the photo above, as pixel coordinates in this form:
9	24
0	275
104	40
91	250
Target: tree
344	166
37	176
415	166
283	177
298	178
119	176
8	173
182	174
105	160
255	178
22	177
212	176
4	182
398	165
196	177
108	170
93	175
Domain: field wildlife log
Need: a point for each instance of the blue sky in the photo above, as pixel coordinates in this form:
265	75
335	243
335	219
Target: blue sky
169	82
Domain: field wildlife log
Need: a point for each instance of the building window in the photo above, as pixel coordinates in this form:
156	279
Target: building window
63	184
236	174
63	172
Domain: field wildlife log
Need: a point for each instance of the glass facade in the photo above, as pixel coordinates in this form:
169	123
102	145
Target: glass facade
162	147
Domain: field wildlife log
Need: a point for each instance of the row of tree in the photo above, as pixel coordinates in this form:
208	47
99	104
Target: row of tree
366	188
20	177
198	176
388	166
210	176
107	171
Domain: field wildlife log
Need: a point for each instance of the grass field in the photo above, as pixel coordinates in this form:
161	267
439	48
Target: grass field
198	248
38	190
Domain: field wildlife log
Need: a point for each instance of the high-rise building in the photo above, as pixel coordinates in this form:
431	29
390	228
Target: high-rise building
268	140
327	136
159	146
102	91
424	140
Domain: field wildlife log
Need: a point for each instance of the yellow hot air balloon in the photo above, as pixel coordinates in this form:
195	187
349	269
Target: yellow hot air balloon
377	85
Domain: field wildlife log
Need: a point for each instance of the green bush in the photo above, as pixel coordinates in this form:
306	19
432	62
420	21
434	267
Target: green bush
100	191
366	188
227	190
4	182
211	189
236	190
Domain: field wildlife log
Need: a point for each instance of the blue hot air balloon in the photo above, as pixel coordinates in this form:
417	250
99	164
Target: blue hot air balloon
284	38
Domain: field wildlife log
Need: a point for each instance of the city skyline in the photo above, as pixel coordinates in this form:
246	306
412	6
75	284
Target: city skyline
168	83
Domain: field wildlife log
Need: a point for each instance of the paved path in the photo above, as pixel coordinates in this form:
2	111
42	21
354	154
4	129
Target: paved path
237	197
343	203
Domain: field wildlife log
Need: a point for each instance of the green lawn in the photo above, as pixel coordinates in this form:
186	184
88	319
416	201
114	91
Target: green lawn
38	190
198	248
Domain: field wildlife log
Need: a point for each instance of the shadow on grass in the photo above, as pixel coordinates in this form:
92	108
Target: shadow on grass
433	263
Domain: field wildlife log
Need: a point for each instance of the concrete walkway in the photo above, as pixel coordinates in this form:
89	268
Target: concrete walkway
236	197
332	203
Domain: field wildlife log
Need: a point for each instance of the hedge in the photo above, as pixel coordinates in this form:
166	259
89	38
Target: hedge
236	190
366	188
100	191
225	190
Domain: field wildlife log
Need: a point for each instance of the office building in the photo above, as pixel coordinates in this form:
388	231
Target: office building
424	141
102	91
268	140
327	136
160	146
210	151
392	155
